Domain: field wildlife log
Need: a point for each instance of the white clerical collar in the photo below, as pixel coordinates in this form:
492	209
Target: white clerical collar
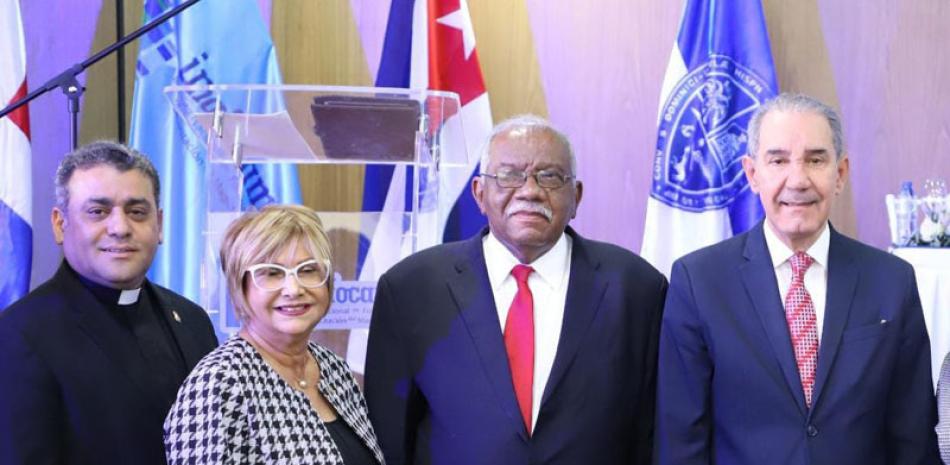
129	296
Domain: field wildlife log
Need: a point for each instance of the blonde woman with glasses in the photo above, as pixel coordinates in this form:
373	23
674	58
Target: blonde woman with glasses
269	394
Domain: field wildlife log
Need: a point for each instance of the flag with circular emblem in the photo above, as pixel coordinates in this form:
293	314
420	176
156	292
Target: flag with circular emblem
720	71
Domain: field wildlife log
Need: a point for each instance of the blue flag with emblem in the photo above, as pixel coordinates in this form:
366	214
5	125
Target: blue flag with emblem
720	71
212	42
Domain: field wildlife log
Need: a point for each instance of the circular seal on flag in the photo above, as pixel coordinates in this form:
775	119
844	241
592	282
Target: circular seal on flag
702	135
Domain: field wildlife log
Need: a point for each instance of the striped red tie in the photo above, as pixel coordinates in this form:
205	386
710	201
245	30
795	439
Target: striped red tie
519	342
802	323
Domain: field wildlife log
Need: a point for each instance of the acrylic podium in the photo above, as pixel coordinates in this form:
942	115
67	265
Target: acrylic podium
418	132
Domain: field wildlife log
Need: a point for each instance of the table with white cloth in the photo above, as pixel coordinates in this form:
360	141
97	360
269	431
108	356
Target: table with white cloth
932	267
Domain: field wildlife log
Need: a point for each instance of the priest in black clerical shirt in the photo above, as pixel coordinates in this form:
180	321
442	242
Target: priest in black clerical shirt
92	359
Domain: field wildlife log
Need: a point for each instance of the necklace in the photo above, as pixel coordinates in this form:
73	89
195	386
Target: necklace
300	375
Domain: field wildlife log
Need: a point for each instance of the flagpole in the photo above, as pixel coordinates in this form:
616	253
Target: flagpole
120	70
70	85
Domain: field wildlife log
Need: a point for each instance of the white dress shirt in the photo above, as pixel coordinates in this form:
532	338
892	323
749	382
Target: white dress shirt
548	284
816	277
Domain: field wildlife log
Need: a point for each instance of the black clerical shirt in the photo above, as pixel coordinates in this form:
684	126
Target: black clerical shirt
150	328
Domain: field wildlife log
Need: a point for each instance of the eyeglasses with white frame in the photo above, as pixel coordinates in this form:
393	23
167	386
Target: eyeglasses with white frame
548	179
311	274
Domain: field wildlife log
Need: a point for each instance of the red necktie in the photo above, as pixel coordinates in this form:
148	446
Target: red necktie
519	342
802	323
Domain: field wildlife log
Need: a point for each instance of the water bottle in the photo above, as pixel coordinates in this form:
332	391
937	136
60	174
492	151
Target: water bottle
905	213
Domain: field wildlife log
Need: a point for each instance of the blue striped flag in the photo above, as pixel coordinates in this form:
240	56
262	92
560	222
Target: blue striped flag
213	42
16	234
720	71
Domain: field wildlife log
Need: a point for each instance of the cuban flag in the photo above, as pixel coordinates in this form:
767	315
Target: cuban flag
16	233
720	71
212	42
429	44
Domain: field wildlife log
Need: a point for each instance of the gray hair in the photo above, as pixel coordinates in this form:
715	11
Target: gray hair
102	152
529	123
800	103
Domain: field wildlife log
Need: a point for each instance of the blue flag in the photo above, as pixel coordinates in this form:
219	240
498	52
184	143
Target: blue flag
213	42
395	67
720	71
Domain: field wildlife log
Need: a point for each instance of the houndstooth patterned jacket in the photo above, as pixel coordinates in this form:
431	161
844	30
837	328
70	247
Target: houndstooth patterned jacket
943	410
234	409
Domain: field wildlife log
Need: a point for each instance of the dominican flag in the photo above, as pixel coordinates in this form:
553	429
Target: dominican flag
720	71
430	44
16	234
212	42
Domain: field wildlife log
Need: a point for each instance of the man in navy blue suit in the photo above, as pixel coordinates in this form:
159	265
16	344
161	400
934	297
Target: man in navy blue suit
790	343
526	344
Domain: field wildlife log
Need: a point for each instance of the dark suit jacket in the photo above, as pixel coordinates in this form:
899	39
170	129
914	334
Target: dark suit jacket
439	387
74	388
729	391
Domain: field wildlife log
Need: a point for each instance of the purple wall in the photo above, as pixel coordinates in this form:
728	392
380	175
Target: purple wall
884	65
58	35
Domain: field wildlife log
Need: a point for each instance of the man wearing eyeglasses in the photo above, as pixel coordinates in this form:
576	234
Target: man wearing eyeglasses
524	344
91	360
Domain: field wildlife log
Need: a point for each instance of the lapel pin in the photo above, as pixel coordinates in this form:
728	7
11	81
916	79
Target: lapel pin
175	316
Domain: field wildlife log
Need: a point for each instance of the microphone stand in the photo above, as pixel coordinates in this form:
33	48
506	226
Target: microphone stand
70	85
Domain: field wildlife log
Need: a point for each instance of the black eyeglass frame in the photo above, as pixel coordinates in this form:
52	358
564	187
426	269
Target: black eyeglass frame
563	179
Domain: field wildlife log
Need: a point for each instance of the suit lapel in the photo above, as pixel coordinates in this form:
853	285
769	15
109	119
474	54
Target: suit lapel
115	342
842	282
175	318
473	295
585	292
758	276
